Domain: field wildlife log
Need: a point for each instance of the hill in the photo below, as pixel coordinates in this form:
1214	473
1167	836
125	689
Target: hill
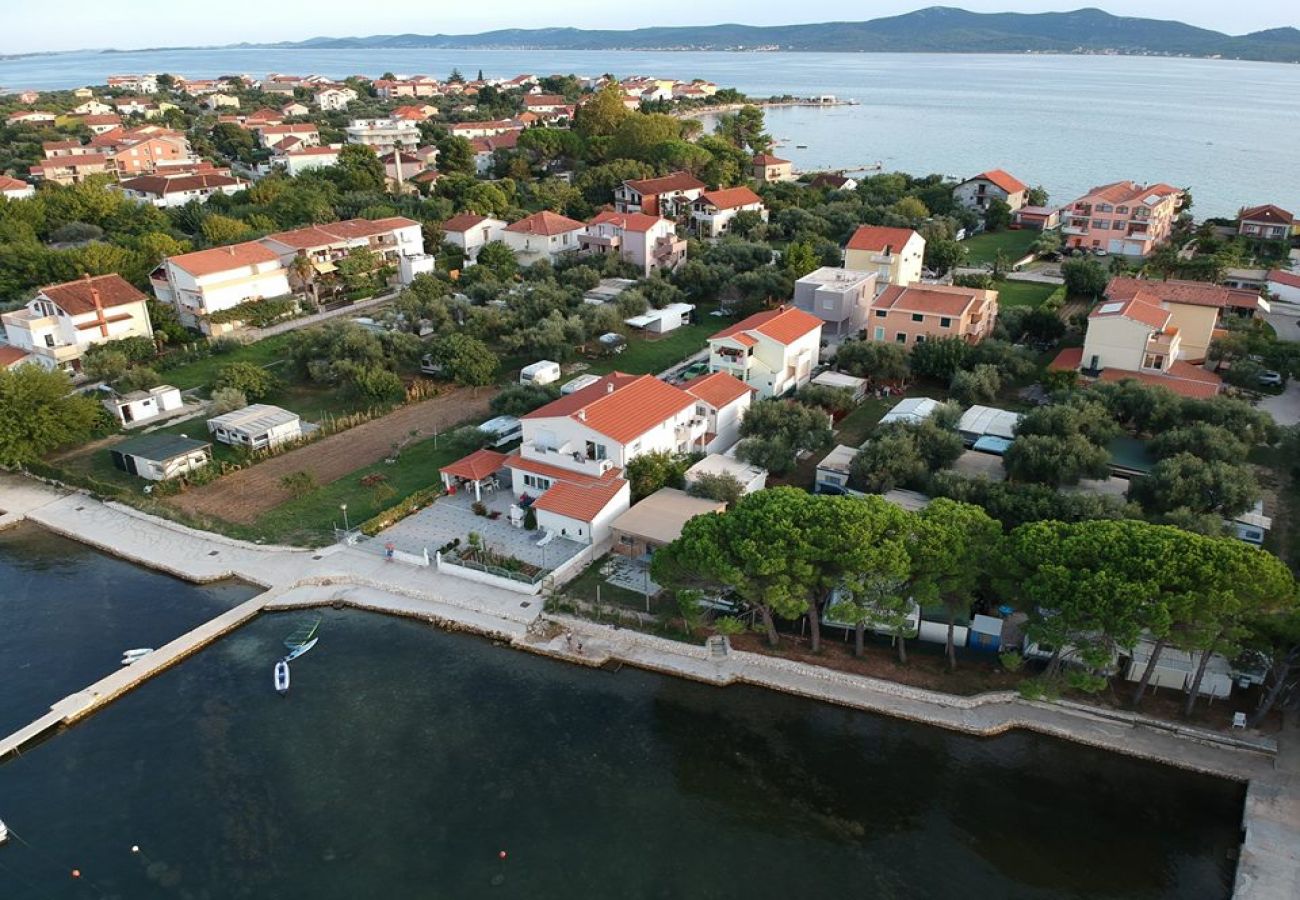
932	30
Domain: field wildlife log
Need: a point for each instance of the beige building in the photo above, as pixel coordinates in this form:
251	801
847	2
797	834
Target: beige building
768	169
894	254
57	325
658	520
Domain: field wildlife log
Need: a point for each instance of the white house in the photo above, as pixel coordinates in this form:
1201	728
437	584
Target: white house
978	192
332	99
384	135
304	159
208	281
774	351
722	401
472	232
544	235
324	245
648	242
62	320
215	102
1284	285
662	321
16	189
257	427
713	212
167	191
670	196
287	137
894	254
141	407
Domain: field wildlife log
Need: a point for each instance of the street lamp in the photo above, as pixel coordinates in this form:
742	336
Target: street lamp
344	508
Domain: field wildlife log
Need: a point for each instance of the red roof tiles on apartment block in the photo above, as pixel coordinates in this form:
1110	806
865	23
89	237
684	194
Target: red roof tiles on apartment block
12	184
767	159
1273	215
718	389
785	324
78	297
162	185
1003	179
223	259
545	223
1182	378
731	198
621	407
302	128
667	184
65	162
10	356
935	299
314	236
1130	192
555	473
875	238
634	222
1137	309
582	503
1191	293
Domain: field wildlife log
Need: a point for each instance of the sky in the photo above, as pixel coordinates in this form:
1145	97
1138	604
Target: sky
133	24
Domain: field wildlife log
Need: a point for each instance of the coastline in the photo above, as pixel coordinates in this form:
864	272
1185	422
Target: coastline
354	577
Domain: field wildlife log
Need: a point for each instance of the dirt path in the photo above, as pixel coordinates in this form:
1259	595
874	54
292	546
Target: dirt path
244	496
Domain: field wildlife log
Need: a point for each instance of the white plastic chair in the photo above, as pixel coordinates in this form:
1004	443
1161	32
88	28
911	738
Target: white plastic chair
1239	720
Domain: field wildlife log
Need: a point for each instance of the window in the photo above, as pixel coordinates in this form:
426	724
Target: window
880	333
920	339
538	482
596	451
945	322
917	317
881	313
901	338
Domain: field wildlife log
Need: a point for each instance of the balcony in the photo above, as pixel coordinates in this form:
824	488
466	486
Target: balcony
667	248
600	242
1074	227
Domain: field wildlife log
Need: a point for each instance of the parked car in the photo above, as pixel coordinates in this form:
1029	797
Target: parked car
1100	251
1270	379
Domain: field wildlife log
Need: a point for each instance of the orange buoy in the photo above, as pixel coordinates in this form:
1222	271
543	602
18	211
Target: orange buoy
76	873
502	854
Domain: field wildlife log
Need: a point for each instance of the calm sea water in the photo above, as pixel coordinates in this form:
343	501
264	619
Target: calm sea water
406	759
1225	129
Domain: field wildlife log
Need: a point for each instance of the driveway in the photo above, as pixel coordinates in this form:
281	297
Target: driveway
1284	407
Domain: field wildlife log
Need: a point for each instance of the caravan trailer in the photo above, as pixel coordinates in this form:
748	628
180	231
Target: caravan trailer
542	372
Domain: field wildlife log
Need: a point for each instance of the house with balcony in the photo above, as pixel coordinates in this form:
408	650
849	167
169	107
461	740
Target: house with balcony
544	235
67	170
841	298
1123	219
472	232
209	281
774	352
648	242
324	245
334	98
721	400
1266	223
1197	307
169	190
57	325
769	169
995	184
713	213
894	254
288	137
384	135
915	313
303	159
670	196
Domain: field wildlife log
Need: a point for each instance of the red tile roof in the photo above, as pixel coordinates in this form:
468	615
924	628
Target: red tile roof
621	407
875	238
161	185
1280	276
784	324
223	259
463	222
667	184
731	198
936	299
78	297
12	184
718	389
583	503
1182	378
555	473
1274	215
10	356
1067	359
634	222
1192	293
1137	309
1004	180
767	159
1129	192
477	466
544	223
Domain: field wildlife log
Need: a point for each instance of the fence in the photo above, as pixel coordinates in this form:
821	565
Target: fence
493	575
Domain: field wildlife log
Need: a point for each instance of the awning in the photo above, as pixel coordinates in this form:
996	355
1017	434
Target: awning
324	268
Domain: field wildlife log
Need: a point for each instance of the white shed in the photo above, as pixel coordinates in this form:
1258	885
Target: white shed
661	321
751	477
985	421
840	381
139	407
912	409
1177	669
582	381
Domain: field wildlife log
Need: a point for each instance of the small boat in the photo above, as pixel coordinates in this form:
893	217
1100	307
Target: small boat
301	635
801	146
282	677
132	656
300	650
4	832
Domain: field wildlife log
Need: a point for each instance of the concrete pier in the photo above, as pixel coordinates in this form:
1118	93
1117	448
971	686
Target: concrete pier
1269	868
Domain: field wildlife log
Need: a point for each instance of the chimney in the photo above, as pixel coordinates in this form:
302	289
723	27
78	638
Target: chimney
99	308
609	388
582	414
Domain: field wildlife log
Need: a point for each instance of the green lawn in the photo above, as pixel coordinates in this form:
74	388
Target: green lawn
200	373
1024	293
983	247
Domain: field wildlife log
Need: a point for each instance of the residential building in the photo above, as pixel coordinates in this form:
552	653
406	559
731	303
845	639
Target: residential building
92	108
768	169
62	320
773	352
543	104
214	102
258	426
209	281
15	188
658	520
894	254
294	108
177	190
472	232
384	135
920	312
31	117
304	159
648	242
1284	285
101	124
400	168
721	400
833	182
67	170
544	235
841	298
751	478
143	150
1268	223
141	407
1197	307
471	130
288	137
995	184
1039	218
1124	218
671	196
324	245
136	84
332	99
160	457
485	149
713	213
13	357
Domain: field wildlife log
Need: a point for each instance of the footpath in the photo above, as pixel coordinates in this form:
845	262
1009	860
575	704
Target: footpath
1269	867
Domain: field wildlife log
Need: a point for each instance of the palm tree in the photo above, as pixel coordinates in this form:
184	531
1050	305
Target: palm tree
303	274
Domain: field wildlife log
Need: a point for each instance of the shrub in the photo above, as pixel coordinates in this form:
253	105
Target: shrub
299	484
226	400
250	379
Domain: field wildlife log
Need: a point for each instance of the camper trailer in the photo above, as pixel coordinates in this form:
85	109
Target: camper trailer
541	372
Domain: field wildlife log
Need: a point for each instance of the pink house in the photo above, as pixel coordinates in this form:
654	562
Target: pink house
1124	218
911	314
649	242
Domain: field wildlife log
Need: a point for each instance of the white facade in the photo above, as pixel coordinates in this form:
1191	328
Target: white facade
892	264
296	162
57	334
773	366
334	99
200	284
256	427
474	238
384	135
139	407
531	248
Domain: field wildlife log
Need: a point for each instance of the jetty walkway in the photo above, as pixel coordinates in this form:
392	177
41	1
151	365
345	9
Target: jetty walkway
1268	869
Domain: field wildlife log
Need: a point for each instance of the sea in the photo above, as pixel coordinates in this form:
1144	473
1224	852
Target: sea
407	762
1225	129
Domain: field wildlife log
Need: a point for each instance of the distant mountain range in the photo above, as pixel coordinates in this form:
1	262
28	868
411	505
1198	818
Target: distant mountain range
934	30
